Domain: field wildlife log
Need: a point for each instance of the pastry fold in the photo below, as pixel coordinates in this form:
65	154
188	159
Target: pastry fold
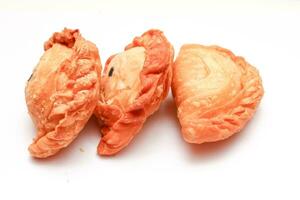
216	92
133	85
62	92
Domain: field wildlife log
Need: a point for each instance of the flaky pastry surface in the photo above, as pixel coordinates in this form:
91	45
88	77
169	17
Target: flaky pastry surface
216	92
133	85
62	92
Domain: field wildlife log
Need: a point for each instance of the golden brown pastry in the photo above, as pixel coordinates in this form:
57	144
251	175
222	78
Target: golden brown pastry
216	92
62	92
133	85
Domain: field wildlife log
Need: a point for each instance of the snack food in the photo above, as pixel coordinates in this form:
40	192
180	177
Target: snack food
133	85
62	92
216	92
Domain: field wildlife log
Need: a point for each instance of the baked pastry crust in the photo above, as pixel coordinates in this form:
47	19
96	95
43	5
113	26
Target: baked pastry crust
123	120
216	92
62	92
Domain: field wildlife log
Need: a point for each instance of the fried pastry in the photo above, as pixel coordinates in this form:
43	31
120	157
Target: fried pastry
62	92
133	85
216	92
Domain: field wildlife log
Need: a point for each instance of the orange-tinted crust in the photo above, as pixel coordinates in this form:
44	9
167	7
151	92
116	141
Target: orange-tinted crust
216	92
62	92
121	125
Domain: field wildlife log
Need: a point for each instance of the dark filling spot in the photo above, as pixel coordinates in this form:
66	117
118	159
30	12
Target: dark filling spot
30	77
111	71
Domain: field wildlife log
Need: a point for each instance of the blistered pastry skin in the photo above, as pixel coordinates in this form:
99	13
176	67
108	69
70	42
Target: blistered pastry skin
124	111
216	92
62	92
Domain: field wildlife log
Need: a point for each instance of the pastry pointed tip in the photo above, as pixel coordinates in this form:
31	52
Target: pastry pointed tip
104	149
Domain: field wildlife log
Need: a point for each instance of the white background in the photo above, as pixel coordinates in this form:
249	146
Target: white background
263	161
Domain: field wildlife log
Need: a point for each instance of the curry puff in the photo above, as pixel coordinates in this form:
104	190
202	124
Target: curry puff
62	92
133	85
216	92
